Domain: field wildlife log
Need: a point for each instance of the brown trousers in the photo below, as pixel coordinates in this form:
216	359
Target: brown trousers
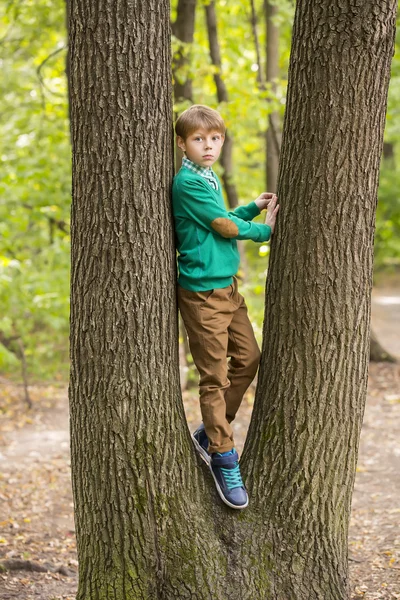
218	327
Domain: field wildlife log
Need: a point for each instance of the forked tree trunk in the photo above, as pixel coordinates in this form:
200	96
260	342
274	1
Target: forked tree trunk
149	524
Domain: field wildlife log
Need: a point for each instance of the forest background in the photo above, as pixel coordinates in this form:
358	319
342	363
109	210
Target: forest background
35	155
35	197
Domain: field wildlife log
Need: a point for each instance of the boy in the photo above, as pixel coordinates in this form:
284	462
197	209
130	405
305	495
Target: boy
214	313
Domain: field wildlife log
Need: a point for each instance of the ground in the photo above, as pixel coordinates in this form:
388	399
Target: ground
36	516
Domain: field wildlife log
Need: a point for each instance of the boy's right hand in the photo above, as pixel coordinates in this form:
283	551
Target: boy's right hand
272	211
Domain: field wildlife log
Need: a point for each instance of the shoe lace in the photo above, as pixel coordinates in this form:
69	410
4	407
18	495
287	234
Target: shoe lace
232	477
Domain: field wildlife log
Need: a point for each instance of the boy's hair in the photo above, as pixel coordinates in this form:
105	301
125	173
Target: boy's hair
197	116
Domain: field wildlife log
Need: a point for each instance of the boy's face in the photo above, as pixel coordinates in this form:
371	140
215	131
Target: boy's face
202	147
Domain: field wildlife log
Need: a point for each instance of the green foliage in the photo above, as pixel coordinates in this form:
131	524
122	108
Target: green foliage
387	238
36	166
35	187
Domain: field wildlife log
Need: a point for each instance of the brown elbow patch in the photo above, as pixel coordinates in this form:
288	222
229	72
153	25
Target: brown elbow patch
225	227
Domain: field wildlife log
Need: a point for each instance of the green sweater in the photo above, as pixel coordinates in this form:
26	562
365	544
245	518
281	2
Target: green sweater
206	232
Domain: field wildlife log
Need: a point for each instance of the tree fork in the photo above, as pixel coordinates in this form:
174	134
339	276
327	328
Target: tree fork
148	521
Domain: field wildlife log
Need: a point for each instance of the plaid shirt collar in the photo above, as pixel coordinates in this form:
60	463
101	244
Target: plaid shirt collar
207	173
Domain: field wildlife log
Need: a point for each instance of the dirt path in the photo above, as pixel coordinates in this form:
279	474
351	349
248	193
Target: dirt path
36	512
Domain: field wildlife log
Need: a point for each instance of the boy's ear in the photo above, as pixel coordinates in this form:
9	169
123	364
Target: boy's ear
181	143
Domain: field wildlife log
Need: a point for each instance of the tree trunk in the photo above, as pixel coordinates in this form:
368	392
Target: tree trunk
313	377
273	133
138	493
254	29
149	523
183	30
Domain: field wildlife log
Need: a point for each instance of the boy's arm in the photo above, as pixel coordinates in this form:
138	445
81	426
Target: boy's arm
196	203
248	212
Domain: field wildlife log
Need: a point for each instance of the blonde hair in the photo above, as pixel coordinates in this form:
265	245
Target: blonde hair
197	116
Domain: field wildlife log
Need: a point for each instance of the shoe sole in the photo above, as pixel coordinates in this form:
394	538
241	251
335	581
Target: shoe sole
203	453
221	495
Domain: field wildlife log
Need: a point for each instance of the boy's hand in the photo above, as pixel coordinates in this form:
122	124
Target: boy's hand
272	211
264	199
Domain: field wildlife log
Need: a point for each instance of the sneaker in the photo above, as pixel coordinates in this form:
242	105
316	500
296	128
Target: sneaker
228	480
200	440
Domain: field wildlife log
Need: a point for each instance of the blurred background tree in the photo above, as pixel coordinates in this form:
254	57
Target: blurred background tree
225	66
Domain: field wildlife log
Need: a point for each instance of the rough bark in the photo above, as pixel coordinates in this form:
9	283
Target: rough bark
272	74
313	377
149	524
137	487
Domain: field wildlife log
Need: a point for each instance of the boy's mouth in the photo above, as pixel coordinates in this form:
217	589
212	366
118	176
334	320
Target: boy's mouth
208	157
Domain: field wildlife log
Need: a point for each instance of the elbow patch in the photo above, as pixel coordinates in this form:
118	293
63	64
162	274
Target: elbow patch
225	227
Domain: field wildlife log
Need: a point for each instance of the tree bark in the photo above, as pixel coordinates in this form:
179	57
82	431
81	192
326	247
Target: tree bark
149	523
272	74
138	490
313	377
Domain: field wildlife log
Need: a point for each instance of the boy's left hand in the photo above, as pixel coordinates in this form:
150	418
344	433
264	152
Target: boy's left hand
264	199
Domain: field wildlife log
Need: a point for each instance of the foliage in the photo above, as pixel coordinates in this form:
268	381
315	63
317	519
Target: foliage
35	187
36	166
387	238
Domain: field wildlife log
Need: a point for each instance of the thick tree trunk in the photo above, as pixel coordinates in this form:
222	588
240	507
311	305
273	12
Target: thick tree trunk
148	521
137	490
272	74
313	377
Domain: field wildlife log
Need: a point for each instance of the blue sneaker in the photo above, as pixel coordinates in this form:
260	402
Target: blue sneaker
228	480
200	440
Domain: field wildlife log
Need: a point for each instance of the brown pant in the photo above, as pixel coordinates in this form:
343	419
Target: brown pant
218	327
